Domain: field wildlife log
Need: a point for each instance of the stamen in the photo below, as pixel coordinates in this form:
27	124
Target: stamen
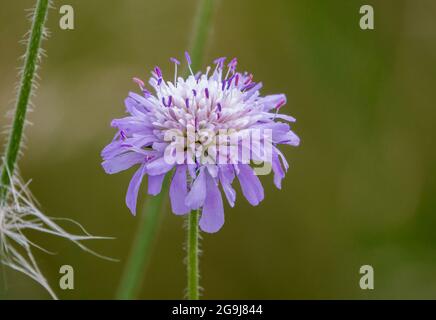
188	59
207	71
170	101
158	72
232	64
194	92
280	104
175	60
176	63
187	102
249	86
197	76
250	78
237	80
229	82
123	135
219	106
139	82
206	91
219	61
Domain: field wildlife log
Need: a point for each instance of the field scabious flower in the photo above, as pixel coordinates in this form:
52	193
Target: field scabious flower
208	129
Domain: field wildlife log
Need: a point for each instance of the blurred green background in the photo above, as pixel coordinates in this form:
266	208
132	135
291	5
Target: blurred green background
361	187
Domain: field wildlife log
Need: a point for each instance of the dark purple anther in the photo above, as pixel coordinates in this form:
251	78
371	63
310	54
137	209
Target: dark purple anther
206	91
175	60
158	72
236	79
194	92
159	81
219	106
229	82
219	61
170	100
123	135
223	86
249	86
188	57
187	102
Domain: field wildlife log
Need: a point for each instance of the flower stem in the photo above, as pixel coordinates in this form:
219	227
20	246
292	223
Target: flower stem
141	251
193	252
201	32
135	267
24	93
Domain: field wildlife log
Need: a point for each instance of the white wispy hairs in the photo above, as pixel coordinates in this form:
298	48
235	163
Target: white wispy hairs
18	214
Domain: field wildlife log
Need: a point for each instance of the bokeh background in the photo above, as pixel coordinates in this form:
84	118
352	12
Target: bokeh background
361	187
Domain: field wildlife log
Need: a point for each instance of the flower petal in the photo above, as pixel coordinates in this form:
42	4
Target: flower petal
250	185
158	167
197	194
226	175
212	216
132	191
155	184
179	191
277	168
122	162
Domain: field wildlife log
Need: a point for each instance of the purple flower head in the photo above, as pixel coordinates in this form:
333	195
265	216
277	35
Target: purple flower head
205	135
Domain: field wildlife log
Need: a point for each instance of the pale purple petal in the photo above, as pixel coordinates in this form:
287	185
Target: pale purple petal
179	191
250	184
132	191
158	167
155	184
196	196
226	175
279	174
212	215
122	162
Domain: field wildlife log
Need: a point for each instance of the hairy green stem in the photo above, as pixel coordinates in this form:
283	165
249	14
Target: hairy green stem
193	252
135	267
24	93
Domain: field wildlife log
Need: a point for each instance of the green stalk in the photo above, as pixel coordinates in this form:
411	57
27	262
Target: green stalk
193	252
24	93
200	32
135	267
141	251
